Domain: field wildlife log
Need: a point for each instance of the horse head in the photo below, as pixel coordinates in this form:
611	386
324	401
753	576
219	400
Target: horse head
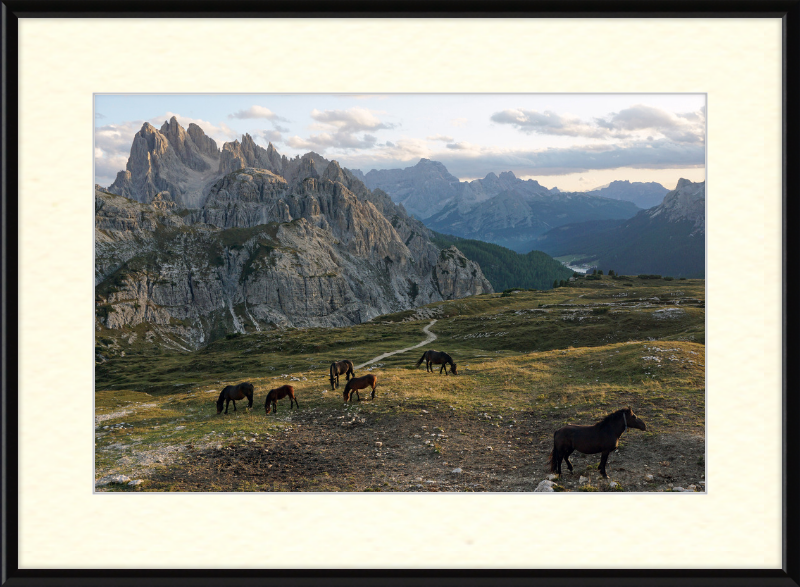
220	401
633	421
453	369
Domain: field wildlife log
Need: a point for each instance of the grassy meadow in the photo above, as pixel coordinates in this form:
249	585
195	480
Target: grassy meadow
528	361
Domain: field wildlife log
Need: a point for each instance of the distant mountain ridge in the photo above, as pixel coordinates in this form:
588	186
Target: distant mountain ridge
501	209
643	194
427	187
668	239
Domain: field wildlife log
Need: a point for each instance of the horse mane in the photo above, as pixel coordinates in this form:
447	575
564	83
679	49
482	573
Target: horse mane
612	416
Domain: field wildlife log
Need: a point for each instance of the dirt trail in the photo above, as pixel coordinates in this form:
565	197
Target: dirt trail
431	338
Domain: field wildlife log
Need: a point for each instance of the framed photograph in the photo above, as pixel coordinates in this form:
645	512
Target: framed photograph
587	211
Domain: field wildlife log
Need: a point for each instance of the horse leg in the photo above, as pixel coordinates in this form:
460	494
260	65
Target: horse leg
227	402
557	461
373	392
234	405
603	461
444	366
566	459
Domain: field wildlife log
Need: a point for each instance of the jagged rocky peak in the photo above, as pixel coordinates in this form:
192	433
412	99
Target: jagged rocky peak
236	155
205	144
184	145
686	202
507	176
333	172
167	160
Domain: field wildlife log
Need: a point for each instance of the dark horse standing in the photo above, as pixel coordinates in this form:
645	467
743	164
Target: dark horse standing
279	393
234	392
357	383
603	437
437	358
339	367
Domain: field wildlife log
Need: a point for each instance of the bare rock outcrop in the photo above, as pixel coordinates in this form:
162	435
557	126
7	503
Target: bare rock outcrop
686	202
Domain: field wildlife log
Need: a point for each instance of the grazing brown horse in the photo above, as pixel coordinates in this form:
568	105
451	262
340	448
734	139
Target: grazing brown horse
233	392
279	393
437	358
339	367
603	437
357	383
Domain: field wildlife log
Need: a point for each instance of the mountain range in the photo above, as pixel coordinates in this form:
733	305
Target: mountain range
668	239
501	209
193	242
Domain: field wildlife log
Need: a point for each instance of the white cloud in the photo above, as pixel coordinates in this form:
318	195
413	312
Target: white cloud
340	130
628	123
350	121
443	138
256	112
548	123
272	136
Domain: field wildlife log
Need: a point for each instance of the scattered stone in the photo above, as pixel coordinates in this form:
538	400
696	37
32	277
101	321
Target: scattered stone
424	411
692	487
613	484
648	477
109	479
379	444
135	482
457	470
583	479
678	489
179	427
552	477
489	448
544	487
219	447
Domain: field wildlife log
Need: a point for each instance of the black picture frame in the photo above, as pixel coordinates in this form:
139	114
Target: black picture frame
12	11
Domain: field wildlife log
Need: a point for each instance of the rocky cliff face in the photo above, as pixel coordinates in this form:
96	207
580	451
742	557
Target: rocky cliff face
262	254
195	243
686	202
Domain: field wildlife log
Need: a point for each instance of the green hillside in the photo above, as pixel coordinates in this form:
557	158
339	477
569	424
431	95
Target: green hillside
506	269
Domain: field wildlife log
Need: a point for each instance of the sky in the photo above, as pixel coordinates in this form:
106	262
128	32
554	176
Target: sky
575	142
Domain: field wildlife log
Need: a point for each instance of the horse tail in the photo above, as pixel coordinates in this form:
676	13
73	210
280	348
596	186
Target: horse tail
553	460
333	366
351	371
422	358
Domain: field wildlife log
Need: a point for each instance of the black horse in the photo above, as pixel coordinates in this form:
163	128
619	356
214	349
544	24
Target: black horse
603	437
339	367
234	392
437	358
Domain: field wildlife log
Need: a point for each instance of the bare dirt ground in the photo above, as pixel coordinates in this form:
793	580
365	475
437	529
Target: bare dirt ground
417	450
